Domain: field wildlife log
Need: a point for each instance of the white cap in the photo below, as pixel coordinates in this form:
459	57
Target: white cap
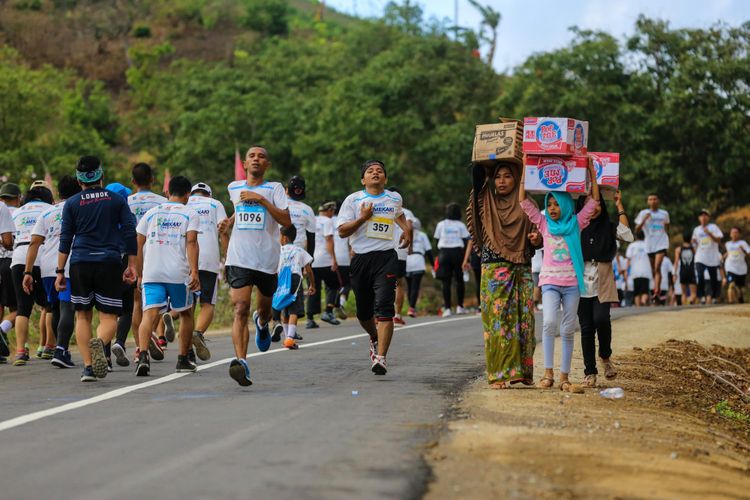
201	186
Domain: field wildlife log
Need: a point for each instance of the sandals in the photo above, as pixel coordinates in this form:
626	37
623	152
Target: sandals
499	385
589	380
546	383
567	386
610	372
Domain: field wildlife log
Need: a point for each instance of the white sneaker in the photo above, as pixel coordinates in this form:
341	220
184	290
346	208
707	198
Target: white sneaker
460	310
447	313
379	366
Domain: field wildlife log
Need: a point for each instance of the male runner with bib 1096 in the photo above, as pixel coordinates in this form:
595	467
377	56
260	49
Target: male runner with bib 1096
253	254
368	219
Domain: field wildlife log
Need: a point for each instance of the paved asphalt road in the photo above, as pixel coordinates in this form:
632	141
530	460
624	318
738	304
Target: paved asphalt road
298	432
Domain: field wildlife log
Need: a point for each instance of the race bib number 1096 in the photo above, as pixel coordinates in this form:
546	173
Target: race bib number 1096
251	217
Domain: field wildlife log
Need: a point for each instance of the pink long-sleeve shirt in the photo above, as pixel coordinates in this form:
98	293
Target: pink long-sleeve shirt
557	265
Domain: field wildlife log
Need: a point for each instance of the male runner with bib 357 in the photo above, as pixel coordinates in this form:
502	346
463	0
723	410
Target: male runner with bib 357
368	219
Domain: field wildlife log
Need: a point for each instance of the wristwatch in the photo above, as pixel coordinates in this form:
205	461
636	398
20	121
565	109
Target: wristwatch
59	271
28	273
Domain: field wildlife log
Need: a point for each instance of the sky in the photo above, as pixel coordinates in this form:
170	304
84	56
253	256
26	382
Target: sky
541	25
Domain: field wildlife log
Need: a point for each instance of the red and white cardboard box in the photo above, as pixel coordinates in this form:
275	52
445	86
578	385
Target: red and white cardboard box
607	167
568	174
555	136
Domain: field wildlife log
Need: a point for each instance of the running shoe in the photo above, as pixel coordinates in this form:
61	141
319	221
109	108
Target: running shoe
88	375
21	359
297	336
201	349
278	331
163	342
4	349
412	313
98	359
461	310
39	352
154	349
109	365
328	317
121	357
136	354
379	366
447	313
289	343
240	372
169	331
340	314
397	320
185	365
143	365
311	324
62	359
191	355
48	353
262	335
373	349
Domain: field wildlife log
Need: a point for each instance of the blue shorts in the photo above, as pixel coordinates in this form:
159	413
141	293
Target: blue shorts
53	296
177	295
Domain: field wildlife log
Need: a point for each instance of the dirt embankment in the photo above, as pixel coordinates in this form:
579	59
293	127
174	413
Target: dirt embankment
666	439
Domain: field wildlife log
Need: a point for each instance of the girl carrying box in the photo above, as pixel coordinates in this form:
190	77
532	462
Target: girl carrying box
561	277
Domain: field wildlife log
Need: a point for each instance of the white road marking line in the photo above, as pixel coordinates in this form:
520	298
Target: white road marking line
38	415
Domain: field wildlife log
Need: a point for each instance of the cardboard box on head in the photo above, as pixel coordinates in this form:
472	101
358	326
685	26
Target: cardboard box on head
555	136
498	142
607	167
568	174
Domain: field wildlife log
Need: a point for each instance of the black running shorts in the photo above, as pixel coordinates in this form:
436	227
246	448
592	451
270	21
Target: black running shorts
97	284
374	284
7	290
24	301
240	277
209	287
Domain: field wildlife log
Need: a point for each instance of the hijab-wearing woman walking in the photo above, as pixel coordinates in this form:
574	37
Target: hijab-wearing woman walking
500	231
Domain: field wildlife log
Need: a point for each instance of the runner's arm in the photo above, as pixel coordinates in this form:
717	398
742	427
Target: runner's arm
310	279
32	252
281	216
406	238
139	258
192	250
7	240
467	255
331	251
349	228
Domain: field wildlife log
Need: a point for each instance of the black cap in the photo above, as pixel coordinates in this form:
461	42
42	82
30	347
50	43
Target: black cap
10	190
296	188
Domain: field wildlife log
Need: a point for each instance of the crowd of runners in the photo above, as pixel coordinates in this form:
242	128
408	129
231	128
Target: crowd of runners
143	261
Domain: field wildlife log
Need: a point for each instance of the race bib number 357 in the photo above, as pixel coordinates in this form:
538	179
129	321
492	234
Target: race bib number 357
252	217
380	227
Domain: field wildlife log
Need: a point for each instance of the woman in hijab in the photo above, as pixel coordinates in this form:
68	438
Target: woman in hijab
599	246
501	234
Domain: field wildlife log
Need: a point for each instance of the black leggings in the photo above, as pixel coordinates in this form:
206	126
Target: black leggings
63	323
449	267
594	319
713	276
414	282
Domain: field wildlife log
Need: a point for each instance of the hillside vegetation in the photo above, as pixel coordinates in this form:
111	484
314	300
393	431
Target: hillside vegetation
183	83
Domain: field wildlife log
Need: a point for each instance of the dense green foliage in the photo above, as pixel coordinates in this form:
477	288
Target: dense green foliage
325	94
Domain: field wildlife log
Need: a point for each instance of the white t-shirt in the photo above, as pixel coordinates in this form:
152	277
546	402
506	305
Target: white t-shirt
24	219
736	263
303	219
341	248
666	269
415	262
6	226
451	233
48	226
619	265
255	237
376	234
210	212
707	250
164	255
294	256
142	202
655	229
402	253
640	265
536	261
323	230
